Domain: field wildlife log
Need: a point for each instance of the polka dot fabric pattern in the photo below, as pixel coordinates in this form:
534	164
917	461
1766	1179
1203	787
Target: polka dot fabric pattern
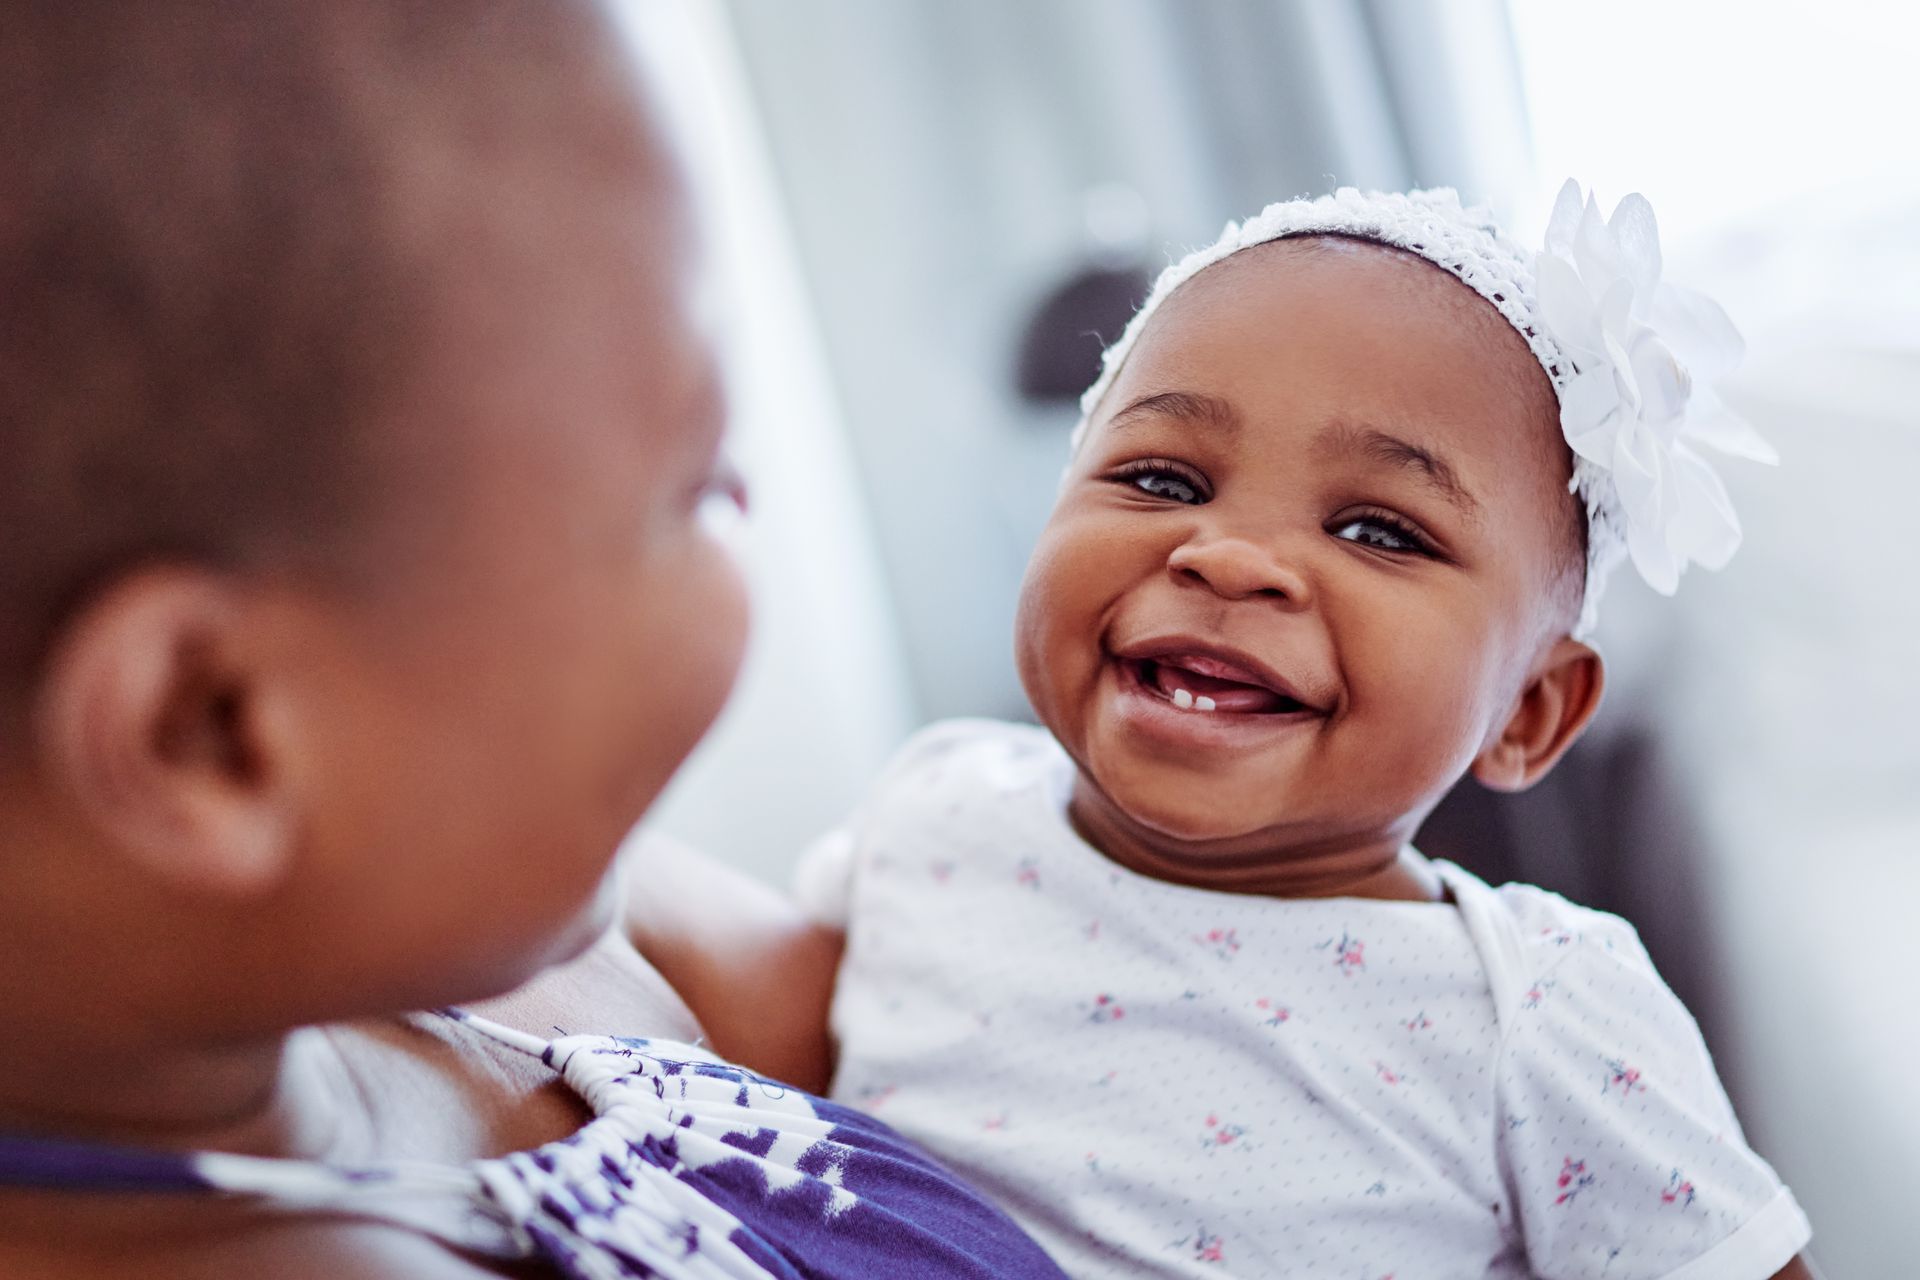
1164	1081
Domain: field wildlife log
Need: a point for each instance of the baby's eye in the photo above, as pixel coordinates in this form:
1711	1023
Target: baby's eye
1161	480
1382	534
1164	484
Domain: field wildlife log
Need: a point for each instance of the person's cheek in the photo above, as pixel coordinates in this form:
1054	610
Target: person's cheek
698	663
732	613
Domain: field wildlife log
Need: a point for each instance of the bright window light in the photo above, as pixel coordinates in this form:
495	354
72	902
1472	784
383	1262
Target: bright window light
1713	108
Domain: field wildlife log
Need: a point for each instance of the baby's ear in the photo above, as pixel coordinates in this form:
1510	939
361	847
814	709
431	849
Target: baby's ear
149	720
1552	710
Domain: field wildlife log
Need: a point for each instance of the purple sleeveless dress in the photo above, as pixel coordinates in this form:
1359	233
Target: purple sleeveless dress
691	1168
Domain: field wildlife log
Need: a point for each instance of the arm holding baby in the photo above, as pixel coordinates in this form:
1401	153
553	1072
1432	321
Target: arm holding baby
756	971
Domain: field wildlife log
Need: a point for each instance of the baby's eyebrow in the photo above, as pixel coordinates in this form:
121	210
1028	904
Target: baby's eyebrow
1381	446
1191	406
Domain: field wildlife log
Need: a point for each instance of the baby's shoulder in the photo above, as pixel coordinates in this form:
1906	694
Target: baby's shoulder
964	755
1548	930
976	739
1566	978
952	790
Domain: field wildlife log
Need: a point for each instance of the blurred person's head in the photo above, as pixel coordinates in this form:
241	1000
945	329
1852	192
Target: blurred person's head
1315	559
357	415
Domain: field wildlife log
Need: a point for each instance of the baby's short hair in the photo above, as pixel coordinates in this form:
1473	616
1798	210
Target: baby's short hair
208	289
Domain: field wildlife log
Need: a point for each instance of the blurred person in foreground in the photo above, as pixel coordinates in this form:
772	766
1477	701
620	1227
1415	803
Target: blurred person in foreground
357	427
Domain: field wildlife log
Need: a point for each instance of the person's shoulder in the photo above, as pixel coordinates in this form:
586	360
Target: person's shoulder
330	1251
956	787
1575	977
974	735
1549	927
997	753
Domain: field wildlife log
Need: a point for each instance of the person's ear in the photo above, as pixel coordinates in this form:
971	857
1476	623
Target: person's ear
150	719
1559	700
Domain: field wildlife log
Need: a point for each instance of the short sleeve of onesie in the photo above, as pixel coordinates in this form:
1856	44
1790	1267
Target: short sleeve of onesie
823	878
1624	1156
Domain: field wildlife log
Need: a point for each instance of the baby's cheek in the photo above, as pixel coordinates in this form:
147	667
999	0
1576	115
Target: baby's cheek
1423	703
1045	622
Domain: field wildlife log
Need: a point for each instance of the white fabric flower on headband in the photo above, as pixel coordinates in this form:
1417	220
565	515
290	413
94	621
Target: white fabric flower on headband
1637	402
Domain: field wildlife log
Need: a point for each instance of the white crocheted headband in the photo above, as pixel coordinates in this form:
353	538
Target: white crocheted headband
1631	358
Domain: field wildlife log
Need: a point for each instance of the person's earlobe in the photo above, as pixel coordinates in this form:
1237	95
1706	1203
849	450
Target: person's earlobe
148	720
1551	713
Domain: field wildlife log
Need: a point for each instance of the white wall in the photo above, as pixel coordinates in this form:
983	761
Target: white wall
1787	688
1714	108
823	697
1793	705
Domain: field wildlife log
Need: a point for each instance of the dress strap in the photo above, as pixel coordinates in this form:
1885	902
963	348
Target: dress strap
532	1046
86	1166
447	1201
456	1203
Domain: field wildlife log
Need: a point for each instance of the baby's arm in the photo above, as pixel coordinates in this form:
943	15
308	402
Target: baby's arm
756	972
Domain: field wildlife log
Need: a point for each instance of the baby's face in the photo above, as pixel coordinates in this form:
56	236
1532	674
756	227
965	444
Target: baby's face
1305	558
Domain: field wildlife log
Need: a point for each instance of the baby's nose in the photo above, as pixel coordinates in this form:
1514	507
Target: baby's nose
1237	568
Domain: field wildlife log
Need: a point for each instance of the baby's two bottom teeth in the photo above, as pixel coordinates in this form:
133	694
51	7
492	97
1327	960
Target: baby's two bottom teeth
1187	702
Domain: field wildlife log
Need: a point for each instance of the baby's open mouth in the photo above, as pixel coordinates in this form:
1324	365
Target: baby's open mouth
1195	683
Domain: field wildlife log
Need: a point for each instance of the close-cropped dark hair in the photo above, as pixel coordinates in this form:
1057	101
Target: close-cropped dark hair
205	292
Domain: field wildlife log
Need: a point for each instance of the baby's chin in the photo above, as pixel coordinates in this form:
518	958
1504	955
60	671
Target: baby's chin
1196	820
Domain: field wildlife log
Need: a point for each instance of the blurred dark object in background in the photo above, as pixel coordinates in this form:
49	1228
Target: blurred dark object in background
1060	346
1059	353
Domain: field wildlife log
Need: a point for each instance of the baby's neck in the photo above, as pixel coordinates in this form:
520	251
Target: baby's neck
1386	867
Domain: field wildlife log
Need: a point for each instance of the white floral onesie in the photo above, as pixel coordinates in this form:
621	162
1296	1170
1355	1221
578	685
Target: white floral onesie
1159	1080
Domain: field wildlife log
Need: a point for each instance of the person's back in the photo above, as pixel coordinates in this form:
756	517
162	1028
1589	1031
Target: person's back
354	435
